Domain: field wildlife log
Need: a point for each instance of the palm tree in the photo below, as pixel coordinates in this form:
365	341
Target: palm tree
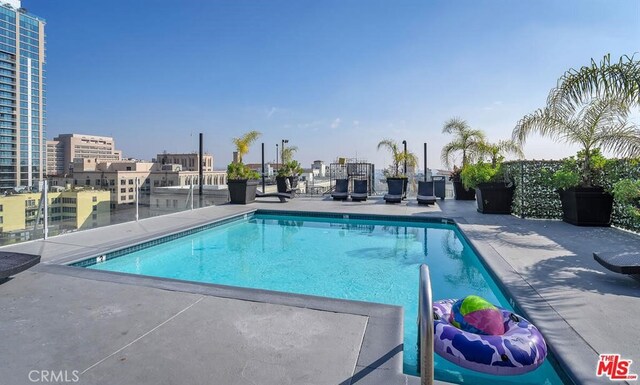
467	140
398	156
496	151
287	154
600	124
605	80
244	142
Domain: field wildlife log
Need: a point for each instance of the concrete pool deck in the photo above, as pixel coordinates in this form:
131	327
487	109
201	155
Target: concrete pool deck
146	328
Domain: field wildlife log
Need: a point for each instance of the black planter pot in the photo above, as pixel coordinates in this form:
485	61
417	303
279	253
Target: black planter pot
461	193
293	181
586	206
281	183
494	198
242	191
405	183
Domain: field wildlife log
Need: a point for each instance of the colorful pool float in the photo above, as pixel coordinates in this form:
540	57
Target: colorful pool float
476	335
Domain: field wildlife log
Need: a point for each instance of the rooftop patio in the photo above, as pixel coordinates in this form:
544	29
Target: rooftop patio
150	330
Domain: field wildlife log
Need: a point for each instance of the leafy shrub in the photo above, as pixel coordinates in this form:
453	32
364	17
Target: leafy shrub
474	174
574	172
564	179
290	168
240	171
627	192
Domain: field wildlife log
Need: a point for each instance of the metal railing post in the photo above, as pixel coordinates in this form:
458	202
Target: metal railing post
137	199
425	327
45	193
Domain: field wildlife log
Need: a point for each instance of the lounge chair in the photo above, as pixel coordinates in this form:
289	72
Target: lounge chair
282	196
360	191
425	193
623	262
342	190
396	187
13	263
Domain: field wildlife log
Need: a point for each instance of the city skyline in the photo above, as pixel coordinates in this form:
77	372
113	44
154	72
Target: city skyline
332	78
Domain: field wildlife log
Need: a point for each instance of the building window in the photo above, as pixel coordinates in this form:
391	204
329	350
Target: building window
94	216
128	168
1	220
97	182
112	182
94	199
123	197
1	208
123	181
175	203
130	189
157	202
95	207
30	203
87	182
130	181
130	196
167	203
123	190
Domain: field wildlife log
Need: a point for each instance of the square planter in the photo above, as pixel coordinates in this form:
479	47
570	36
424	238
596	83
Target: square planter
494	198
461	193
281	183
242	191
586	206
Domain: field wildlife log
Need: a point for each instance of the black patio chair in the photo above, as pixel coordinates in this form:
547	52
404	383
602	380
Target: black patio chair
360	191
425	193
396	190
623	262
342	190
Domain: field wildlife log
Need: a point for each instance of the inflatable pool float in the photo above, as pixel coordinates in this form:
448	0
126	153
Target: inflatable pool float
476	335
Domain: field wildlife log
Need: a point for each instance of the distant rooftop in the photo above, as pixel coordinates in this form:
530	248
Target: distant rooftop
84	136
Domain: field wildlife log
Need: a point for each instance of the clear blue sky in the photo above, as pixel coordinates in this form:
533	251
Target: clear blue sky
333	77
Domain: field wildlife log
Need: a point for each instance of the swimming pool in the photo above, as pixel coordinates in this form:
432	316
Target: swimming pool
357	259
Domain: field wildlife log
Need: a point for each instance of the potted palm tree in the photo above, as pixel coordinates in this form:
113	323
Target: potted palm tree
466	141
289	172
398	157
241	180
493	187
599	124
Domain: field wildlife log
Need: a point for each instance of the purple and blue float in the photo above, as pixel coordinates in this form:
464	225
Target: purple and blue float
474	334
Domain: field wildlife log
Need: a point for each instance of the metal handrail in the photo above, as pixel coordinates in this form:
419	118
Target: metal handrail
425	327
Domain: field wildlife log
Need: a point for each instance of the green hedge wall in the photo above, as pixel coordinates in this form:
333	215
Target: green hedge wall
535	197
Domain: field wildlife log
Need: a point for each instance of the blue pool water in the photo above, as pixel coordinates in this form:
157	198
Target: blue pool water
362	260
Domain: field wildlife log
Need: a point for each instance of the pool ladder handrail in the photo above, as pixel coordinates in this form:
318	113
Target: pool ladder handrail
425	327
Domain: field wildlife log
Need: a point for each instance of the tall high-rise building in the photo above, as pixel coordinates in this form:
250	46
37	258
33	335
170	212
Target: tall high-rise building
22	96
